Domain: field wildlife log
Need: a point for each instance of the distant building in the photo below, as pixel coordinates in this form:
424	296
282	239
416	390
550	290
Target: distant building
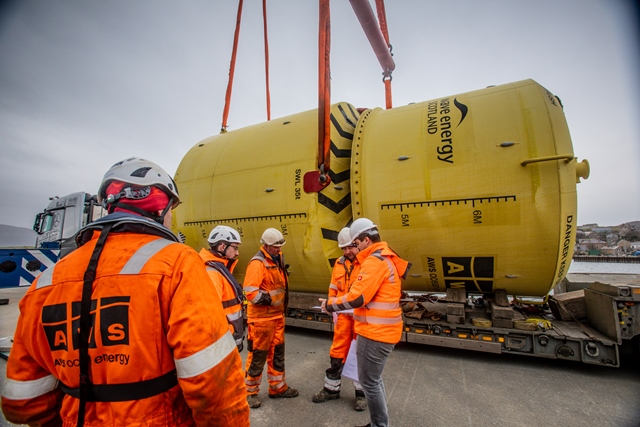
581	250
611	250
625	246
603	230
593	243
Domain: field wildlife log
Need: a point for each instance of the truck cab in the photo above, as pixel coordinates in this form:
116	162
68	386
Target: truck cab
56	228
64	216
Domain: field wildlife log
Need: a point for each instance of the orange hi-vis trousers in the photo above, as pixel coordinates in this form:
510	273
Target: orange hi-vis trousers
343	335
265	343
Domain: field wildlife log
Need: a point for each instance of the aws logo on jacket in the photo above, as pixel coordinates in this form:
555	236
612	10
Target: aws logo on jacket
109	319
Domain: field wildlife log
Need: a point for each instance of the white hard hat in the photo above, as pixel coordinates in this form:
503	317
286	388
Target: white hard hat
141	173
362	225
344	238
222	233
272	237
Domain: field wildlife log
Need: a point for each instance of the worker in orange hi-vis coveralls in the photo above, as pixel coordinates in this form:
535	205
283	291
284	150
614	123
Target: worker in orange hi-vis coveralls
127	329
374	296
220	259
345	270
266	289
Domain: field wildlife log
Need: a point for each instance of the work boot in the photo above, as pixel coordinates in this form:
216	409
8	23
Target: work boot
360	404
289	392
324	395
254	401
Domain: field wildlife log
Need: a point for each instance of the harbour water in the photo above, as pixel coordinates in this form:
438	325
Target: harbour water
604	267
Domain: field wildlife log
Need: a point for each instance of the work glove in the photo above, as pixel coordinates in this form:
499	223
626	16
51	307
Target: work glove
265	299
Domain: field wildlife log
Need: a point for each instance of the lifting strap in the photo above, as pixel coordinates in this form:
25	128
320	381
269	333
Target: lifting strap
232	67
324	91
266	58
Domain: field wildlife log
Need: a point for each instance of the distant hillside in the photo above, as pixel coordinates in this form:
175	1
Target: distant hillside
16	236
633	225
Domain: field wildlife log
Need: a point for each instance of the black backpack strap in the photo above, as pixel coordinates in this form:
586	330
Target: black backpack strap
222	269
126	391
85	321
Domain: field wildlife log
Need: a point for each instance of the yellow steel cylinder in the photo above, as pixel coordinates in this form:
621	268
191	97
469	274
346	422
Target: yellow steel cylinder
476	190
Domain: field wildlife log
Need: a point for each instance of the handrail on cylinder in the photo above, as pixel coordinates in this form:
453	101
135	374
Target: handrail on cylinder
566	157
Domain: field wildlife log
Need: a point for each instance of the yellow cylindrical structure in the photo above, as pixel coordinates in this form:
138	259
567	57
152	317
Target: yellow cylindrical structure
476	190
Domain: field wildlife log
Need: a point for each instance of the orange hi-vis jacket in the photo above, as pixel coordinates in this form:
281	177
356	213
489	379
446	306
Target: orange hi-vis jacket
344	272
231	301
160	351
375	294
263	275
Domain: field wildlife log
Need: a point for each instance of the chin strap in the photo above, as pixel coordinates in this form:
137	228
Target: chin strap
221	254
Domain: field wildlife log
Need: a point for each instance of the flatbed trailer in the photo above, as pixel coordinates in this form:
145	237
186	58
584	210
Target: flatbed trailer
610	322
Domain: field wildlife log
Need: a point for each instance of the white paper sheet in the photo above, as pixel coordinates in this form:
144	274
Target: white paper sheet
350	369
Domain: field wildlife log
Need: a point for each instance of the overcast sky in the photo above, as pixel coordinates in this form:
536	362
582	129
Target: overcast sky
84	84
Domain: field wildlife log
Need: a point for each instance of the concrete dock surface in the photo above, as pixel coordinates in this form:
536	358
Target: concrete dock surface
433	386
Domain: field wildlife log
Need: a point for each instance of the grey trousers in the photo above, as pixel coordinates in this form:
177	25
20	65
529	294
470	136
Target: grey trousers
372	356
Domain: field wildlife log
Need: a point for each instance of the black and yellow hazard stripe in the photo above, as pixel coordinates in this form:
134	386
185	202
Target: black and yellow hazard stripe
334	201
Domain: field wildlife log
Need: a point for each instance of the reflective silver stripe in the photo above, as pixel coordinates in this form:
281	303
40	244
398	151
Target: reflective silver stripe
207	358
45	278
257	381
332	286
234	316
275	377
378	320
357	385
384	305
392	274
256	298
277	386
143	255
376	254
343	301
251	288
211	269
279	378
20	390
333	385
276	292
